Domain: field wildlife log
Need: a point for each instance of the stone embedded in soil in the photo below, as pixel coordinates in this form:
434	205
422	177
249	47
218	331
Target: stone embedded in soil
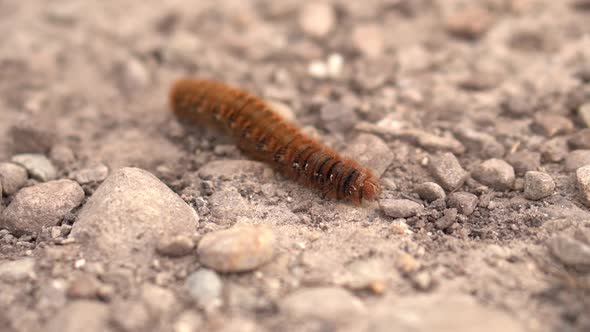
128	214
519	105
13	177
538	185
584	114
551	125
38	166
237	249
317	19
229	169
464	202
583	183
338	118
400	208
158	300
447	171
371	152
495	173
484	144
469	23
447	220
577	159
524	161
570	251
205	287
93	174
129	315
580	140
227	205
84	286
42	205
430	191
81	315
23	268
368	39
175	246
331	305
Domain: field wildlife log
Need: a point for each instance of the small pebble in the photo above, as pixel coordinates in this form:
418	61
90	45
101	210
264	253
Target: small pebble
524	161
464	202
519	105
583	183
538	185
42	205
447	171
469	23
317	19
430	191
13	177
552	125
580	140
237	249
175	246
495	173
447	220
205	287
89	175
159	300
400	208
577	159
570	251
62	155
38	166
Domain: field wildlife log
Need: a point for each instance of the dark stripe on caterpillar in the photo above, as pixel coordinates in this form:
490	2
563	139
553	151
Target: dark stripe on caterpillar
263	135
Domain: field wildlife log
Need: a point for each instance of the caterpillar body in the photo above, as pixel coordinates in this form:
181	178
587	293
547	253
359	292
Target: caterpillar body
263	135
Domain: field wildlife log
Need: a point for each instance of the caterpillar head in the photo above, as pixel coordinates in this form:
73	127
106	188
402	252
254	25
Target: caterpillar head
367	188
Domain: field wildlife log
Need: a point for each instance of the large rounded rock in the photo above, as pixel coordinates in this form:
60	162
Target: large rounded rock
127	215
237	249
42	205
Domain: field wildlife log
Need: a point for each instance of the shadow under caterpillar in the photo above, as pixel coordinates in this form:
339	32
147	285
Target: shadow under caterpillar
262	134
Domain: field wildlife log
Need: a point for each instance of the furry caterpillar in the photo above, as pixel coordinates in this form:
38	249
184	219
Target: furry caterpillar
262	134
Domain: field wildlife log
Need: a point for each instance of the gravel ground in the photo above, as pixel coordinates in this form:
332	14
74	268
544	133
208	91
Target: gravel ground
475	114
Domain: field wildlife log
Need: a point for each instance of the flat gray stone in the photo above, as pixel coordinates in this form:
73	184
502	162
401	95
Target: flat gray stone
400	208
127	215
42	205
371	152
38	166
12	177
447	171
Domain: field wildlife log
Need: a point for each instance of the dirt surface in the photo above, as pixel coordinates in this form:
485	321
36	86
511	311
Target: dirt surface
488	101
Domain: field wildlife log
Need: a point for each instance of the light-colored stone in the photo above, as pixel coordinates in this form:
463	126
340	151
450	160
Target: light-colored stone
17	270
464	202
577	159
93	174
447	171
495	173
81	315
371	152
12	177
570	251
237	249
538	185
205	287
317	19
583	183
38	166
400	208
42	205
430	191
127	215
